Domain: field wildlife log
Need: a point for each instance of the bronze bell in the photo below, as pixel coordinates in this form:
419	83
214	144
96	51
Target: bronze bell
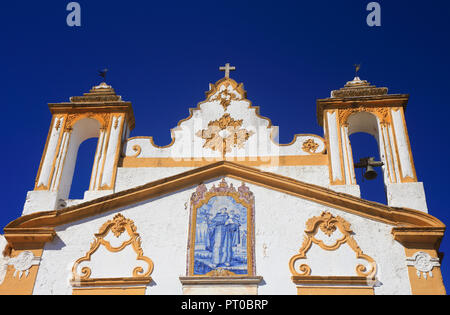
369	164
370	173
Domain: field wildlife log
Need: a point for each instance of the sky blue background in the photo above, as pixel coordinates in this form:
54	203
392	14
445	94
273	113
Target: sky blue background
162	55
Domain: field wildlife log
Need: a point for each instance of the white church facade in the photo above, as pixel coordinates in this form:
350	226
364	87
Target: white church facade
224	208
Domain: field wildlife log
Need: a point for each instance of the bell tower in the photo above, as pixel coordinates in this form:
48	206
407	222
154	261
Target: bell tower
98	114
362	107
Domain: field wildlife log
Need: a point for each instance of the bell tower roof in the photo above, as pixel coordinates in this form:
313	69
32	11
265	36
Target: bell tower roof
99	93
100	98
359	92
358	88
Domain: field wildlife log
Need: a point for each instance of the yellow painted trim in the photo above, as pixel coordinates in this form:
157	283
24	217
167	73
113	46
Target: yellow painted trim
96	160
327	290
118	150
99	282
44	154
327	137
334	280
382	129
28	238
391	152
341	153
327	143
110	291
105	152
66	146
344	130
408	141
57	154
404	179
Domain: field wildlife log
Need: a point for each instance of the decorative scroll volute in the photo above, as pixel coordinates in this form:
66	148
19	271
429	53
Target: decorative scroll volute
329	224
118	225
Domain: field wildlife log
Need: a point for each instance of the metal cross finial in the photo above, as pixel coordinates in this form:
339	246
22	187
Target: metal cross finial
227	68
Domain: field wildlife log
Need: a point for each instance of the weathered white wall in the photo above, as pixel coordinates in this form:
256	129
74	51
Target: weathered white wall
279	224
132	177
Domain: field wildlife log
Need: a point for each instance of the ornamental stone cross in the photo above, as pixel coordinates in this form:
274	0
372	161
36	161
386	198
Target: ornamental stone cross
227	68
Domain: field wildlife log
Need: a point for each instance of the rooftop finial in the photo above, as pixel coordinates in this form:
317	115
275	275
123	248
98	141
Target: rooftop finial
357	67
227	68
102	73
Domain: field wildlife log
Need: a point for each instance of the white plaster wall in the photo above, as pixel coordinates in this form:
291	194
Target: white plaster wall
402	144
279	224
407	195
127	178
114	138
132	177
50	152
334	146
40	200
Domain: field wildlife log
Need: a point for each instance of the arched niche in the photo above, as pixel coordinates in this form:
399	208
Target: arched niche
82	130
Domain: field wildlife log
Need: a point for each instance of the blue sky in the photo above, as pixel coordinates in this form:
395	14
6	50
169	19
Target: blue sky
163	55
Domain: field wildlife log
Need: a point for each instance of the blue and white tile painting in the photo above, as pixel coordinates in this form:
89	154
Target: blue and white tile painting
221	236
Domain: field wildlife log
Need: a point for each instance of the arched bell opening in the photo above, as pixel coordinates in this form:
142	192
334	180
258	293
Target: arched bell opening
83	130
83	168
365	156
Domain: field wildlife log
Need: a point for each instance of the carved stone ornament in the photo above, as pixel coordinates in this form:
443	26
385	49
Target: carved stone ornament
102	118
310	146
220	272
21	263
118	225
224	91
423	263
329	224
224	134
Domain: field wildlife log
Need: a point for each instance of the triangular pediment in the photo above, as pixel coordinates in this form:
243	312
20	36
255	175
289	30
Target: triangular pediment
397	217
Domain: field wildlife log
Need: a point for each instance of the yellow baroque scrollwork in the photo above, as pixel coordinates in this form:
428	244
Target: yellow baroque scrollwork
235	136
137	148
310	146
225	91
329	224
381	112
118	225
102	118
